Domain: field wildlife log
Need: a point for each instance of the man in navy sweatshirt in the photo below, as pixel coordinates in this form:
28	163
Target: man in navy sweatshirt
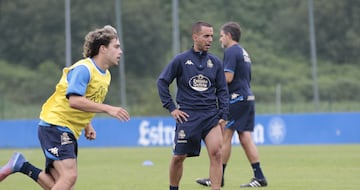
202	104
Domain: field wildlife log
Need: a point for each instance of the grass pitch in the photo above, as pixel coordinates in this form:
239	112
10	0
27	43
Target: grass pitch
320	167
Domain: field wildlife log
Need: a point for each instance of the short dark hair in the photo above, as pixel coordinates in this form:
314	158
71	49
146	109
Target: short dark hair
234	29
196	27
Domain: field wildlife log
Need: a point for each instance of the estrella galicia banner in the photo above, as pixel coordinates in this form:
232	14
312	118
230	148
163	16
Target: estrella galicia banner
282	129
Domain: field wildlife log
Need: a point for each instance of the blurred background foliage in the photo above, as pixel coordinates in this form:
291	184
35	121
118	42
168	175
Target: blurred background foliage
275	33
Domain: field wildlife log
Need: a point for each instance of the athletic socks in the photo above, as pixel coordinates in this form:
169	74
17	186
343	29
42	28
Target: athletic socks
174	188
223	174
31	171
257	171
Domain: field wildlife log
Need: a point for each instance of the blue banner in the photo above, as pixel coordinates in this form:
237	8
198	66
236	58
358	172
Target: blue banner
283	129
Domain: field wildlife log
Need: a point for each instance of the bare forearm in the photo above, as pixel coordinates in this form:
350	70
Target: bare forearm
83	104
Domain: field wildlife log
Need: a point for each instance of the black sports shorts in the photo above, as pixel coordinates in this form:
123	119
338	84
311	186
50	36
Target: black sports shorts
57	143
242	116
188	135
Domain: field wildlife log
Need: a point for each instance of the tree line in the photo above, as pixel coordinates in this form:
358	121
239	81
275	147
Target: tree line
275	33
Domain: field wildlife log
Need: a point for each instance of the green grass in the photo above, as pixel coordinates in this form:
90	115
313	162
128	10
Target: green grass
320	167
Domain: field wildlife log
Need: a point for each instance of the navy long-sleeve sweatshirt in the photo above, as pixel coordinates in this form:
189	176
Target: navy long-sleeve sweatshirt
200	80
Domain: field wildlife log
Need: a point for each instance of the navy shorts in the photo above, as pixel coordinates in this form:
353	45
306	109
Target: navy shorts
242	116
57	143
188	135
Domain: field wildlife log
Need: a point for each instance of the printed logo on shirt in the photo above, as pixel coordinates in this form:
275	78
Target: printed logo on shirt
189	62
210	64
99	96
246	56
199	83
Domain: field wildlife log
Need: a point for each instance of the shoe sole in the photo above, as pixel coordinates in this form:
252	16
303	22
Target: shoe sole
203	183
17	157
206	184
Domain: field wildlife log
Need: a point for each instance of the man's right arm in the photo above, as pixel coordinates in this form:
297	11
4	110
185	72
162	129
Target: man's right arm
166	77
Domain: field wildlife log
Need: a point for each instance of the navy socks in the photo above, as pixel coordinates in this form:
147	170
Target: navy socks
31	171
257	171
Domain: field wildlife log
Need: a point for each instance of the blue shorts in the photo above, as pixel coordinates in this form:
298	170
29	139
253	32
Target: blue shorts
242	116
57	143
188	135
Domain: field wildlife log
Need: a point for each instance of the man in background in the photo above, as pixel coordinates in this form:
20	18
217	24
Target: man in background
202	99
237	68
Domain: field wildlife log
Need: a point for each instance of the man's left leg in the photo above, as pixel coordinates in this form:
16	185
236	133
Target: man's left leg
213	142
253	156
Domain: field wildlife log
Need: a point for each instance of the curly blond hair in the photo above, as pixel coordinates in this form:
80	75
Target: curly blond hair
97	38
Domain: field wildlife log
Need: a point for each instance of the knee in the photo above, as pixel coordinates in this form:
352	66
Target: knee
178	159
216	155
70	178
245	138
242	143
73	177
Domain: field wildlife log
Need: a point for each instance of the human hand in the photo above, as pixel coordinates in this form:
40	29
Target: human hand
118	113
179	116
222	123
90	132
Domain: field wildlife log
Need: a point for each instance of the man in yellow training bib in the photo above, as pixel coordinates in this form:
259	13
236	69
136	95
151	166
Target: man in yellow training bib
79	95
